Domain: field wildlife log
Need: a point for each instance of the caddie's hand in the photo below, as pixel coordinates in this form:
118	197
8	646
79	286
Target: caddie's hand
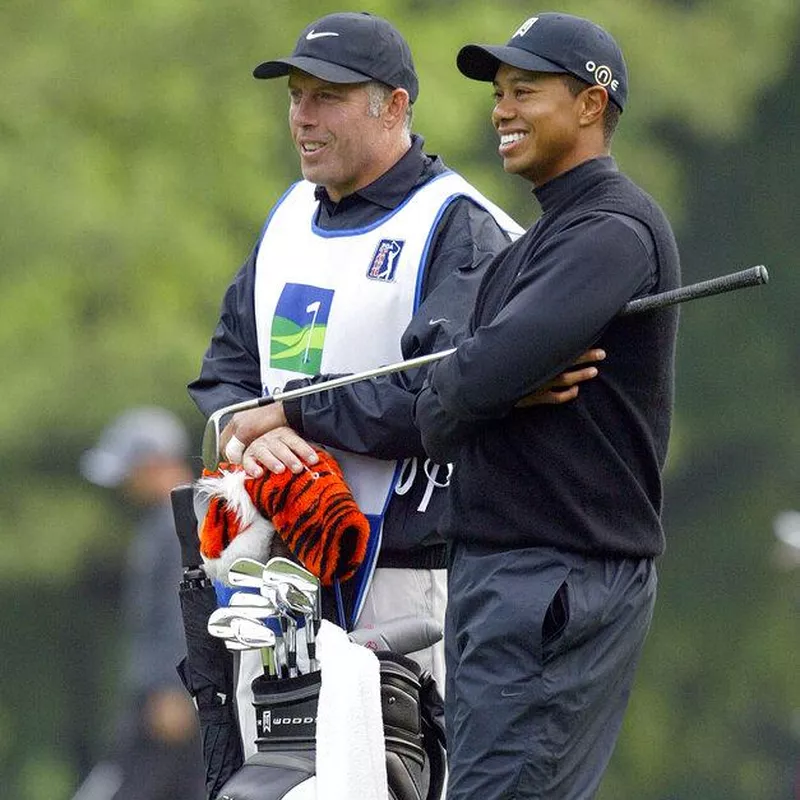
245	427
278	450
564	387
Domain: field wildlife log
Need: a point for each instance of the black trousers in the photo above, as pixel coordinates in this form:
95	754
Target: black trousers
158	770
541	647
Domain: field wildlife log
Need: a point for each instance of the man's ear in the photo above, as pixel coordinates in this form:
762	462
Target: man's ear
594	100
396	106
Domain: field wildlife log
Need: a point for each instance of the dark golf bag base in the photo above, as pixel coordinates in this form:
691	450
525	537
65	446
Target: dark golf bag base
286	713
268	776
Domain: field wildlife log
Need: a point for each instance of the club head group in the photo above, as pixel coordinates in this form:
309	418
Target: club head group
264	614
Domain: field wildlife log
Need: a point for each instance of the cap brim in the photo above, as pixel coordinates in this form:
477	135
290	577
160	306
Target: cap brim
324	70
481	61
103	468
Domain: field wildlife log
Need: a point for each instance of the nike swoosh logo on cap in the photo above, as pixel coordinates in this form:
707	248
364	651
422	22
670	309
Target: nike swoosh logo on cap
314	35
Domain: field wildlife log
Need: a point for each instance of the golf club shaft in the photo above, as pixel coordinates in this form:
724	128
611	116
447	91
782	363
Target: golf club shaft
753	276
725	283
269	662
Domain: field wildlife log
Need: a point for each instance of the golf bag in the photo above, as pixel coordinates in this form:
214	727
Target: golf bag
283	768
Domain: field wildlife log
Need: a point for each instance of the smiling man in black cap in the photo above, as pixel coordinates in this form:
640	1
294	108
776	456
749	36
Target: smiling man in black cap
554	511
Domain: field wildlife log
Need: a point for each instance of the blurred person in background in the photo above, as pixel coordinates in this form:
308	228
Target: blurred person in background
142	455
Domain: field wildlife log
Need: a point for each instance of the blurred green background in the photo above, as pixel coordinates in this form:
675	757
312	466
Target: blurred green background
138	159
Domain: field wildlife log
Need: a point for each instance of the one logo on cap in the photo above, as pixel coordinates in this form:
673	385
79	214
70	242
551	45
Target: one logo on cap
525	27
384	262
314	35
602	74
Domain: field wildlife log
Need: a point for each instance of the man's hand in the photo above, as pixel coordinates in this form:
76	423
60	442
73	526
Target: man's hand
246	426
276	450
564	387
261	438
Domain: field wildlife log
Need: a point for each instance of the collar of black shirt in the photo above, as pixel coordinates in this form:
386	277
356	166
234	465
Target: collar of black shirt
569	184
386	192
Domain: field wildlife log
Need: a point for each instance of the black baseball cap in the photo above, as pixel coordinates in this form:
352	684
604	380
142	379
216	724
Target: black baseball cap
558	43
351	47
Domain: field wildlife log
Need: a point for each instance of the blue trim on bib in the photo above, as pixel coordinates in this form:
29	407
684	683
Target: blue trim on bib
367	568
359	231
362	580
426	249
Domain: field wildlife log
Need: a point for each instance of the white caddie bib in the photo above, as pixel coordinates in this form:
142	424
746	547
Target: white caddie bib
338	302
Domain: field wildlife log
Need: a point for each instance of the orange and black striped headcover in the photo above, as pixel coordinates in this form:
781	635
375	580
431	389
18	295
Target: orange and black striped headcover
313	512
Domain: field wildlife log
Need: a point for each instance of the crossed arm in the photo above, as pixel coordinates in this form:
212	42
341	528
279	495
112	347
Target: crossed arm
373	418
262	438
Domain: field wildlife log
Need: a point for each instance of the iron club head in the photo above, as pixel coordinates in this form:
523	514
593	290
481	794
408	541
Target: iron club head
283	570
294	599
262	600
252	633
220	619
210	445
246	572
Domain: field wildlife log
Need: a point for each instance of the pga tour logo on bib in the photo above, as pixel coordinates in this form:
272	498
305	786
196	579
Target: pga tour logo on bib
384	263
298	328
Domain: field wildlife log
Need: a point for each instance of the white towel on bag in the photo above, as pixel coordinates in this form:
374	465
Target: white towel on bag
351	752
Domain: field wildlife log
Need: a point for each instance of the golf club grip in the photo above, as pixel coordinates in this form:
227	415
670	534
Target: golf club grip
754	276
182	498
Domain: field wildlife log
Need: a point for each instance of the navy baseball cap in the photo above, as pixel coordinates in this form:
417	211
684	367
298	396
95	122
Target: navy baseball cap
350	47
558	43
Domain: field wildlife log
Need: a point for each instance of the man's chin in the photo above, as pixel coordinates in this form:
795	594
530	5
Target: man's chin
313	174
519	166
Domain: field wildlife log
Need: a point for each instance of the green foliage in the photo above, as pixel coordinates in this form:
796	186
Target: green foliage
138	160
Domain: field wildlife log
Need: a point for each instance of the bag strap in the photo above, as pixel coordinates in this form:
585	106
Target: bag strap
434	738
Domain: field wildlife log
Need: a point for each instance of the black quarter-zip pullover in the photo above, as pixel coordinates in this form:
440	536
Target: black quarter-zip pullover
586	475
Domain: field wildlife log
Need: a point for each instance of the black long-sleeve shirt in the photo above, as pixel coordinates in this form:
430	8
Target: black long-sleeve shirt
371	417
585	475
